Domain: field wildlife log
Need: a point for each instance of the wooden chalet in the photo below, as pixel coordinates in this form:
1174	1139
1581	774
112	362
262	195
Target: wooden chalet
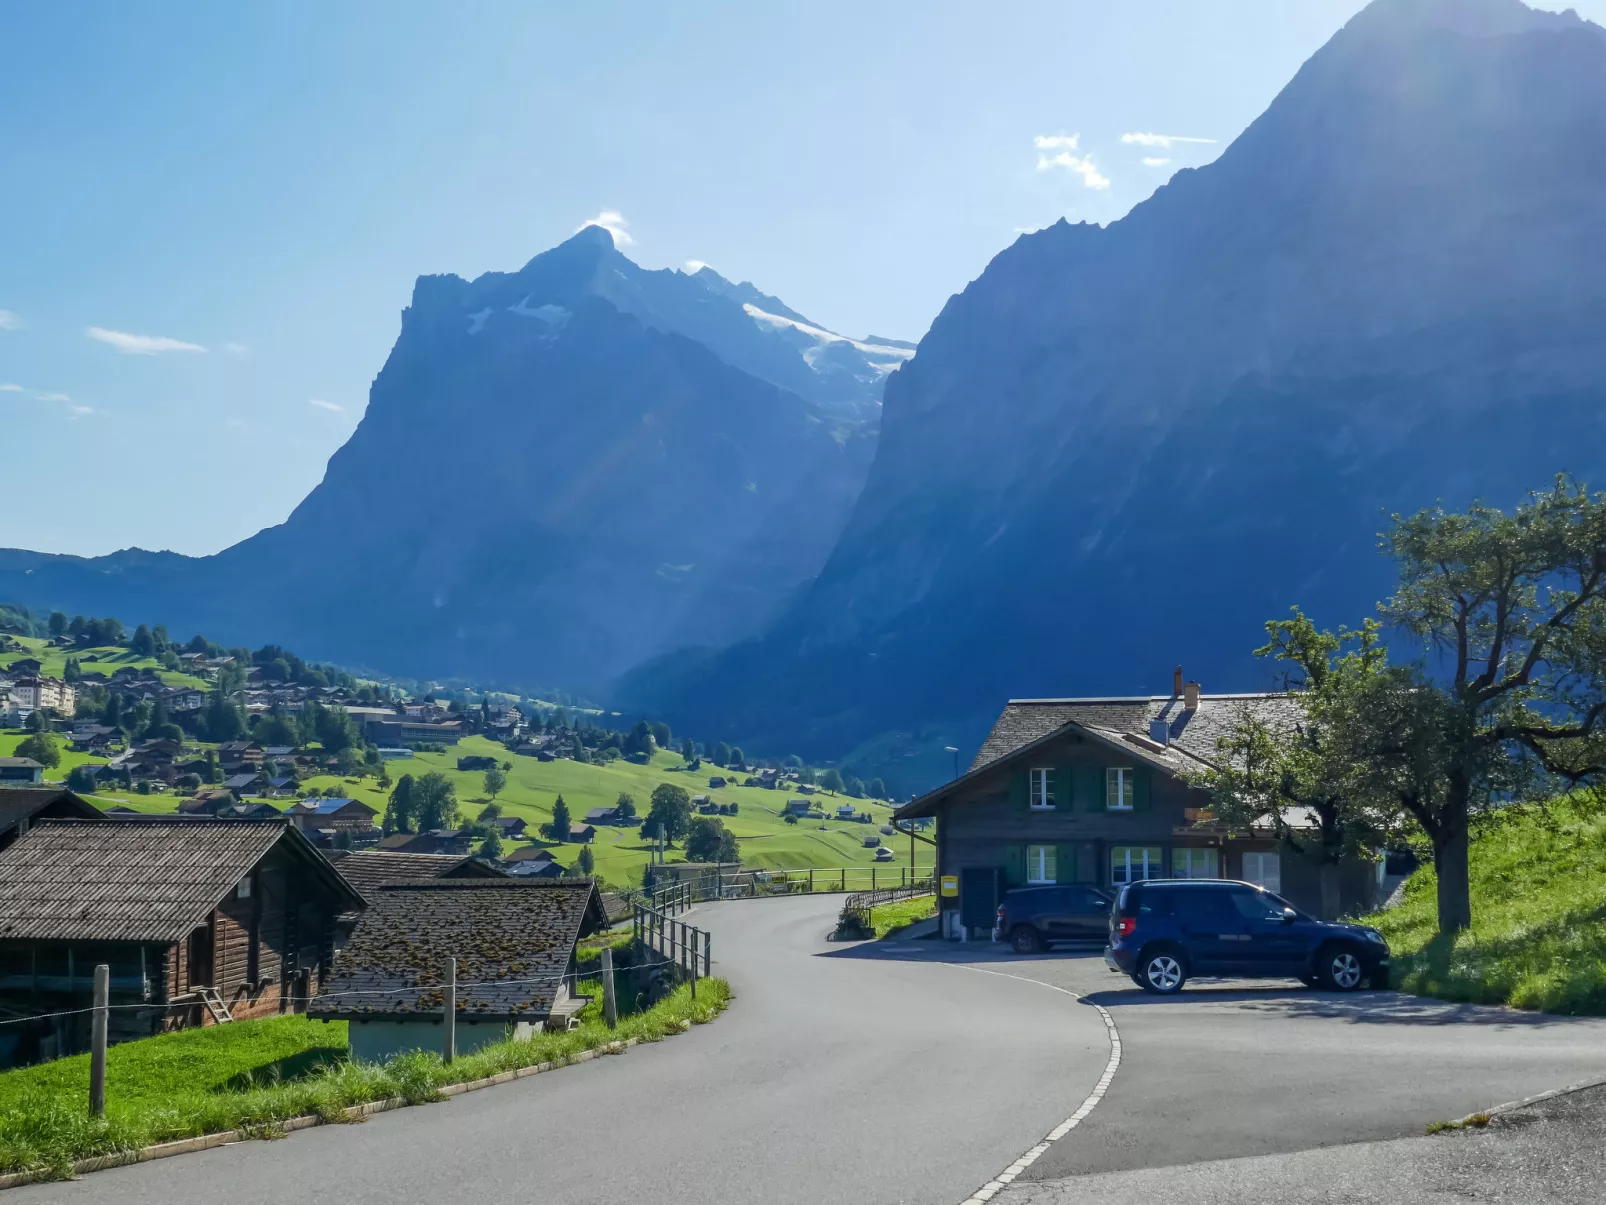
200	920
22	806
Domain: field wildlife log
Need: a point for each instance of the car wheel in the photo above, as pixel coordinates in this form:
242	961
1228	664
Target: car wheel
1161	972
1025	940
1340	969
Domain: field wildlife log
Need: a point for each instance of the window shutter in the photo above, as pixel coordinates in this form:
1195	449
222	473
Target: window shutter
1014	865
1140	788
1017	791
1064	788
1065	864
1093	776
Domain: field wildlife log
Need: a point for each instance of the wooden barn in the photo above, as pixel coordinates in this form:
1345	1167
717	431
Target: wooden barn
201	921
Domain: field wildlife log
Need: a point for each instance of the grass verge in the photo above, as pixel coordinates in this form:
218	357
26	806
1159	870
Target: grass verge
890	918
45	1127
1538	936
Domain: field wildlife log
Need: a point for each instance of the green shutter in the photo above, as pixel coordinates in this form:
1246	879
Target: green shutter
1014	865
1064	788
1017	791
1065	864
1140	789
1093	776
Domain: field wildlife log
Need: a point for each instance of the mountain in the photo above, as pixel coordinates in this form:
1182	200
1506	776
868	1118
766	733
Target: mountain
1124	447
561	471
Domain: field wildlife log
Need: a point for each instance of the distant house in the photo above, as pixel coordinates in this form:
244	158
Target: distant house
530	853
844	811
582	833
199	920
716	782
366	869
797	807
602	815
184	698
806	788
393	754
20	771
277	752
548	869
233	754
246	784
510	828
24	667
31	692
514	942
475	763
437	841
336	815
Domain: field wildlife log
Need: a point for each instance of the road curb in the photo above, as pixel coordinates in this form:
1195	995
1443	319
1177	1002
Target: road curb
354	1113
1508	1106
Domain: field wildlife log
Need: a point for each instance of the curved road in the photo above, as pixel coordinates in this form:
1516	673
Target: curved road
899	1072
829	1079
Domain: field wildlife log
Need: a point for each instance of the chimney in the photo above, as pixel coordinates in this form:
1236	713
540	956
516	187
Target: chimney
1190	697
1176	683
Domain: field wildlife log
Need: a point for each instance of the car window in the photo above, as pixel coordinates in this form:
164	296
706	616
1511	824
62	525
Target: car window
1202	902
1254	905
1156	901
1085	899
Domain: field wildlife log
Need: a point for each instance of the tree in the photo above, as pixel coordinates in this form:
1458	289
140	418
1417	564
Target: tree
491	811
660	733
72	672
876	789
335	729
399	811
222	720
790	817
558	828
160	638
1267	765
720	755
708	840
495	781
806	775
852	787
58	625
41	746
141	643
585	863
277	728
625	805
38	721
351	762
491	846
434	802
738	759
639	739
669	812
688	749
831	780
80	779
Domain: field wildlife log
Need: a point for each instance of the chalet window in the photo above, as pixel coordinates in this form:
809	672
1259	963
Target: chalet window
1040	789
1041	864
1130	863
243	890
1118	782
1264	870
1195	864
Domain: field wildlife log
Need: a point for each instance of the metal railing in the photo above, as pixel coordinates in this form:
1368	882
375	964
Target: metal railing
856	909
736	883
659	929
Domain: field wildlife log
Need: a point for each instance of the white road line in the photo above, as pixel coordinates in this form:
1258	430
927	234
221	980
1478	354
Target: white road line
990	1189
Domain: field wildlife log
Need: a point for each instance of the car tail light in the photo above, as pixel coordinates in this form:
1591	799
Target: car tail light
1128	924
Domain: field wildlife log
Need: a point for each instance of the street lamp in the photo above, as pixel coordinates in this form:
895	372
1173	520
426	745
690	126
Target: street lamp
954	749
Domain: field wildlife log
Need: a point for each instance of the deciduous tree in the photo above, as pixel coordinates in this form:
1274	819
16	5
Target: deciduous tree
669	812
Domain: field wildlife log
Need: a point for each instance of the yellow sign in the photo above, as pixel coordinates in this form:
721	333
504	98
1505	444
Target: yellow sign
950	884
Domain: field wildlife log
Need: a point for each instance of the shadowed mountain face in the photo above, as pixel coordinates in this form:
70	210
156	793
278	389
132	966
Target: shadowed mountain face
561	471
1124	447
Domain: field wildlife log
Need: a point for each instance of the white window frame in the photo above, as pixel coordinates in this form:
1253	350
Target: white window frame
1190	854
1150	868
1264	868
1042	865
1118	792
1040	788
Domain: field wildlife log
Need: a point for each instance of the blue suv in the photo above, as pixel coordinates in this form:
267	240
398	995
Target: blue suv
1164	931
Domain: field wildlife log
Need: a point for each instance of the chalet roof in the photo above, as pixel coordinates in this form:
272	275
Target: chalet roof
330	805
26	763
367	868
24	803
139	878
1120	723
512	939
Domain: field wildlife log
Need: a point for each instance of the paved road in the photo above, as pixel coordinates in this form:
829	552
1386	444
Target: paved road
830	1079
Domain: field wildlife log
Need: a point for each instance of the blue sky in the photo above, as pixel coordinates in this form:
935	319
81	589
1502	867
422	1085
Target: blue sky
213	214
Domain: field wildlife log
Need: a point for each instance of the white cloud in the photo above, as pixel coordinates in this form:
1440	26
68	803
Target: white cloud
614	223
236	349
52	397
10	321
1161	140
695	265
1081	165
9	388
140	345
1057	142
323	405
80	411
1153	161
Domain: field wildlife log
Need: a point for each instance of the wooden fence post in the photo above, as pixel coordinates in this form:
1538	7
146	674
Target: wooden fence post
449	992
610	1007
97	1043
872	878
694	964
708	957
844	878
811	880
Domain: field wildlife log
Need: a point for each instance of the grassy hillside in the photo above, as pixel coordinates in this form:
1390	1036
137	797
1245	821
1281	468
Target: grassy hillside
1538	936
107	660
533	787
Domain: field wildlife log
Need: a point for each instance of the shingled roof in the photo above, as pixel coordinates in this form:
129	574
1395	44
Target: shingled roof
367	868
1124	723
24	803
136	879
512	939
